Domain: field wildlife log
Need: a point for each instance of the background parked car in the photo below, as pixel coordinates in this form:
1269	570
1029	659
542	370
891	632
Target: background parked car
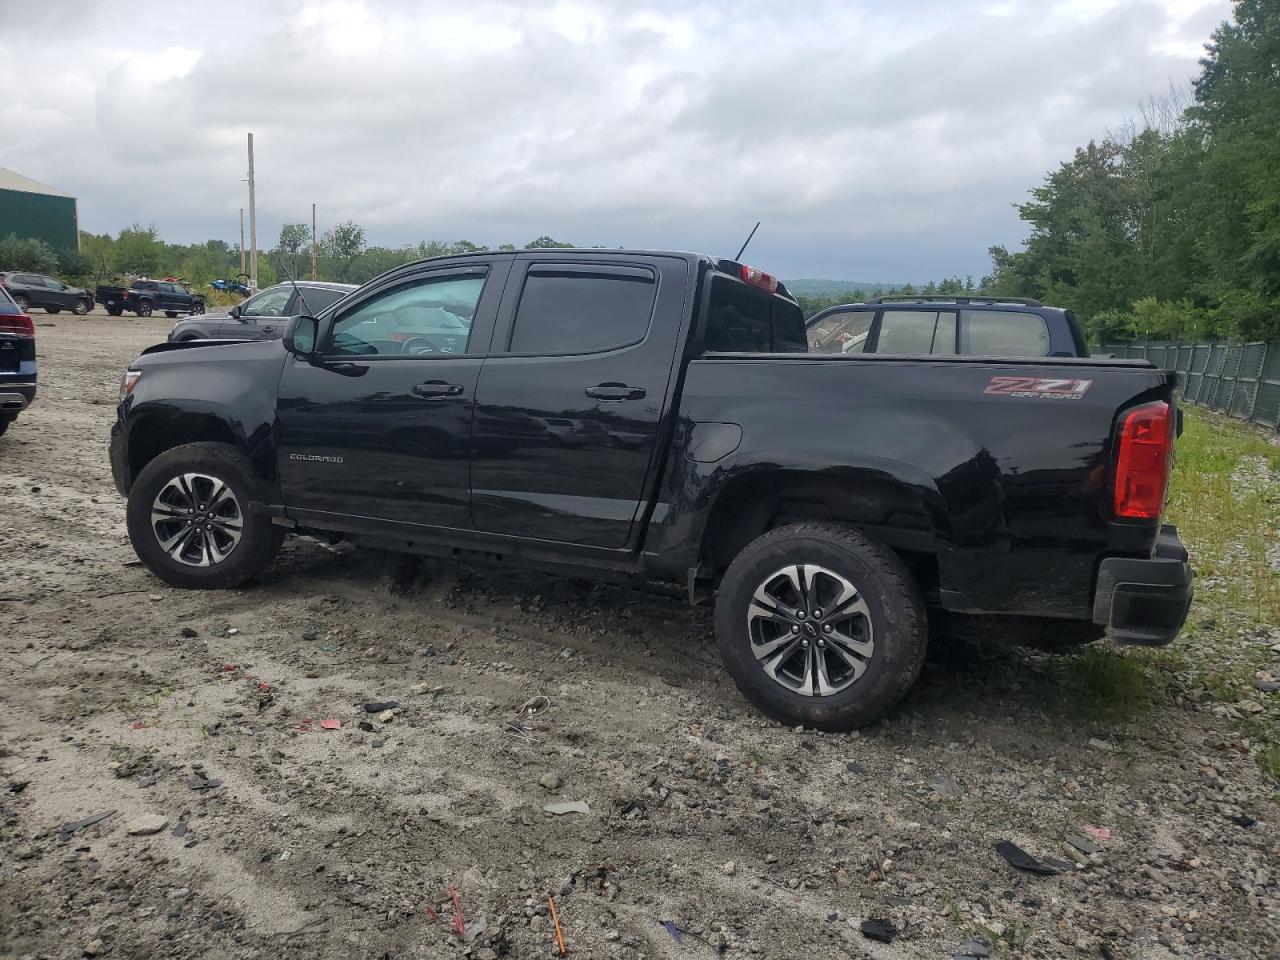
961	326
144	297
17	360
262	316
36	290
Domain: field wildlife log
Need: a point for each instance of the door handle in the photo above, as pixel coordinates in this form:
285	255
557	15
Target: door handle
615	391
437	390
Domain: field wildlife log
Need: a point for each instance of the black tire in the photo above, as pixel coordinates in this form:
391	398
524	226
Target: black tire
895	616
82	307
4	424
1040	633
52	309
144	309
115	311
259	538
22	302
197	308
171	314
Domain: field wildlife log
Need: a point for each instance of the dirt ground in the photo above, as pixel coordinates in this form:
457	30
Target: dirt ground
710	830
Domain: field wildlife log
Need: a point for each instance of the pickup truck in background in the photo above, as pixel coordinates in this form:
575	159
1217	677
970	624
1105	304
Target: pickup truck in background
974	326
628	414
144	297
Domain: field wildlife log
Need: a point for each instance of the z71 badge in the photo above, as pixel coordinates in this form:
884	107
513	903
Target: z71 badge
1038	387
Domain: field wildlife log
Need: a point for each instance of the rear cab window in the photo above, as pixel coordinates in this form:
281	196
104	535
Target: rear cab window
745	319
917	332
844	332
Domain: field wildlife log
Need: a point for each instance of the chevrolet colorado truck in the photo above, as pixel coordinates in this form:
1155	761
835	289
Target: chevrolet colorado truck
624	414
144	297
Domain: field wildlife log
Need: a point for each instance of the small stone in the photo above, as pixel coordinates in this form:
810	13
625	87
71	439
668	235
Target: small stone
946	788
770	858
420	687
729	868
975	948
232	631
94	947
550	781
386	716
189	633
146	825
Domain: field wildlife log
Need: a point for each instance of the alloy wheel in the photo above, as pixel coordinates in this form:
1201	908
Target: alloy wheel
197	519
810	630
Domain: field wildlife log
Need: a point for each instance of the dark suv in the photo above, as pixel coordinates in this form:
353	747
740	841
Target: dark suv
17	360
36	290
262	316
972	326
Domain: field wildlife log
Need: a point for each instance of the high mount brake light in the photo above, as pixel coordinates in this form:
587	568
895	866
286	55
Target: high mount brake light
1142	461
758	278
17	325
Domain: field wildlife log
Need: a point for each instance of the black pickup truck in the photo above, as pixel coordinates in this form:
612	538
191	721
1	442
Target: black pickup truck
615	414
144	297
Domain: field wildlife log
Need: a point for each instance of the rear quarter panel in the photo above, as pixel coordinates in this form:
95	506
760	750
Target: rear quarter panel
1014	483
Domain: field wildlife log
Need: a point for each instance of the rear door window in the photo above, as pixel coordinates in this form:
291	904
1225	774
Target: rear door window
917	332
318	299
845	332
572	309
1003	333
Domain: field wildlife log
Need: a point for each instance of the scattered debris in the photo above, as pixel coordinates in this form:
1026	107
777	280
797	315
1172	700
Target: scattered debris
330	723
1098	833
1243	820
366	726
550	781
146	825
474	929
420	688
974	948
567	806
381	706
187	632
202	781
881	931
1019	858
1083	844
670	926
555	921
17	786
458	926
70	828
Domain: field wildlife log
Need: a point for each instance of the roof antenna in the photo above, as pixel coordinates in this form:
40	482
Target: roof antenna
748	240
296	289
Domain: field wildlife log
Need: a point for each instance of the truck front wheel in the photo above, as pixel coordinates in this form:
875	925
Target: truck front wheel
189	519
820	625
144	309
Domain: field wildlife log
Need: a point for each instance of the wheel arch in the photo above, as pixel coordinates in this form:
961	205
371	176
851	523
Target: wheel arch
902	511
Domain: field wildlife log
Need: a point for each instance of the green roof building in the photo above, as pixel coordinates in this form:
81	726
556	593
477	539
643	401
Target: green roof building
32	209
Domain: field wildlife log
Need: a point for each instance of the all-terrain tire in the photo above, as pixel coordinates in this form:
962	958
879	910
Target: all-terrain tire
115	311
144	309
895	613
259	539
1041	633
4	424
82	306
22	302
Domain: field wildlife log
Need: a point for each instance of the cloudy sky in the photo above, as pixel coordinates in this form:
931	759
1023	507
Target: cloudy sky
876	140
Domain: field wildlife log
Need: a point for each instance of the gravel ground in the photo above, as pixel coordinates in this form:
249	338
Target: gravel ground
240	826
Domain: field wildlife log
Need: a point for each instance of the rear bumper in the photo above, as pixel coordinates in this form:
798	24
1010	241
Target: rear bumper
15	397
1145	600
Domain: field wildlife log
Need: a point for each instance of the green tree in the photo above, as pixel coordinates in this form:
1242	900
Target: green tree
27	253
293	238
545	242
138	251
341	246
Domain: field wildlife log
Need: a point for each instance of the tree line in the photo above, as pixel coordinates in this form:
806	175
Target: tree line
1170	227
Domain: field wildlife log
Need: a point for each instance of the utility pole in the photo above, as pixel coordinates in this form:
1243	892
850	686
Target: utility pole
313	241
242	239
253	225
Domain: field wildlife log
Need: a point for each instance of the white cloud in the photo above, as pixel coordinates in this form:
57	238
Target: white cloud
874	141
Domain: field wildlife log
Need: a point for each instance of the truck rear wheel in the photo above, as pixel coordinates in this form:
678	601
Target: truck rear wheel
189	519
820	625
115	311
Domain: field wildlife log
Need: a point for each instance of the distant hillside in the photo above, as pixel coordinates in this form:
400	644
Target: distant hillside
810	287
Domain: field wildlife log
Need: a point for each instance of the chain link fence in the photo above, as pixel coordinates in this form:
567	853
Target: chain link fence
1238	379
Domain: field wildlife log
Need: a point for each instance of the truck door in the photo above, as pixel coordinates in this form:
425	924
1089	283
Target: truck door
569	403
378	429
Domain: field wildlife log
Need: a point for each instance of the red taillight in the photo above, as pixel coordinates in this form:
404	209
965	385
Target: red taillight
17	325
1142	462
758	278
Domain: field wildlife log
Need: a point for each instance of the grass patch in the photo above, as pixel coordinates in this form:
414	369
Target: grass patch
1228	522
1107	684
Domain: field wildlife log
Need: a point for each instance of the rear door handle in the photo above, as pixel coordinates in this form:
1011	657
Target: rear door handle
437	389
615	391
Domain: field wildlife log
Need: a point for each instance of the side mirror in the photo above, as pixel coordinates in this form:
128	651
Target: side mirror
235	311
301	336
